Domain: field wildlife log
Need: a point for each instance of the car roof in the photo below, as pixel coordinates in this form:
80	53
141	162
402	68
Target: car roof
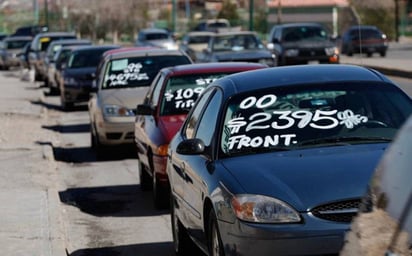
153	30
222	67
298	75
141	51
94	47
245	32
52	34
70	41
299	24
13	38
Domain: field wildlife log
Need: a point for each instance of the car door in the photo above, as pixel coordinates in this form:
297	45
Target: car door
196	171
146	125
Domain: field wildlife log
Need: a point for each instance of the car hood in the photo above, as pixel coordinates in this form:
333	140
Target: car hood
126	97
303	44
307	178
242	55
169	125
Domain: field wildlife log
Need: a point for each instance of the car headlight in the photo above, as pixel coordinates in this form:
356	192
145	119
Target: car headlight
114	110
263	209
332	51
292	52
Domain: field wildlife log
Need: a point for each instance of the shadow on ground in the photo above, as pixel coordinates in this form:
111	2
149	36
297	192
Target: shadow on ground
152	249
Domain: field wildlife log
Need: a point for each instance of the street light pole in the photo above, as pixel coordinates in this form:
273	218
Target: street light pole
251	10
46	13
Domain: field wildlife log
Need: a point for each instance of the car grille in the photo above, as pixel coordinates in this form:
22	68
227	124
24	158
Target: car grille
342	211
312	52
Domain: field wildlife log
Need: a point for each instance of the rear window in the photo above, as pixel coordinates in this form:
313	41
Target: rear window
156	36
287	118
181	92
138	71
83	59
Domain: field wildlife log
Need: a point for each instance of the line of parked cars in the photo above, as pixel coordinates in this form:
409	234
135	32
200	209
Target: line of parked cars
239	149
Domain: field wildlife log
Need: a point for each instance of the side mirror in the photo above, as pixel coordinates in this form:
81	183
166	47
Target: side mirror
145	110
191	147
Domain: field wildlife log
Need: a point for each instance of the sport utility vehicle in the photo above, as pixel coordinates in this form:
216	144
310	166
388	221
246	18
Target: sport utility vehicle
302	43
364	39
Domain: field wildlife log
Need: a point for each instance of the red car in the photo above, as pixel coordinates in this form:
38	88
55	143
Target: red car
164	108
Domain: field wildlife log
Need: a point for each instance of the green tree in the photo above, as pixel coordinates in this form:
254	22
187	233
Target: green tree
229	12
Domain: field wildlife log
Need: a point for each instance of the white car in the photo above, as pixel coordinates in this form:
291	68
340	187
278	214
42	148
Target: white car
123	79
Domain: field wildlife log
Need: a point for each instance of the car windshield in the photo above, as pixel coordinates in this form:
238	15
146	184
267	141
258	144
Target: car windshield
287	118
294	34
85	58
17	44
181	92
237	42
156	36
138	71
198	39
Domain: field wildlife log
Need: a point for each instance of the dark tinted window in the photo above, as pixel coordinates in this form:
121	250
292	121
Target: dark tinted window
138	71
156	36
17	44
82	59
292	34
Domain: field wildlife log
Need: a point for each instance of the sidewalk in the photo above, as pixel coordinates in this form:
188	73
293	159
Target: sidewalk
29	213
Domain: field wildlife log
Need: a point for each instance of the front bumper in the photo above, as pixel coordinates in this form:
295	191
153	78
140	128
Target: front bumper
314	237
116	132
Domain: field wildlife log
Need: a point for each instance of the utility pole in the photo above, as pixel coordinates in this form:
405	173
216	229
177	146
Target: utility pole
251	10
174	13
36	11
46	13
397	20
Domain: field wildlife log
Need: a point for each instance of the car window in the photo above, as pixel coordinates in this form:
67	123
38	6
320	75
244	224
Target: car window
294	34
294	118
156	36
157	89
16	44
138	71
181	92
190	124
207	123
236	43
82	59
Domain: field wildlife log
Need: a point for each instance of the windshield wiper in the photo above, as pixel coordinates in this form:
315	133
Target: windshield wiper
345	140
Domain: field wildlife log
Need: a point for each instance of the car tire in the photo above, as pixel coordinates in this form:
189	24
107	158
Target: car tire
64	104
183	245
99	149
214	242
160	194
382	53
145	179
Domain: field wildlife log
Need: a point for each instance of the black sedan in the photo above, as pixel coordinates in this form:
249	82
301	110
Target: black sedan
275	161
244	46
78	73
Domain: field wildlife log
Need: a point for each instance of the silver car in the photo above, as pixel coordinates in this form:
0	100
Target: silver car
123	79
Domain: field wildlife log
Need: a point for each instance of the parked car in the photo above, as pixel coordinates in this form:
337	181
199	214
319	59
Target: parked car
49	65
123	79
193	43
162	112
280	167
38	49
212	25
79	72
242	46
384	224
302	43
10	48
156	37
364	39
59	63
31	30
